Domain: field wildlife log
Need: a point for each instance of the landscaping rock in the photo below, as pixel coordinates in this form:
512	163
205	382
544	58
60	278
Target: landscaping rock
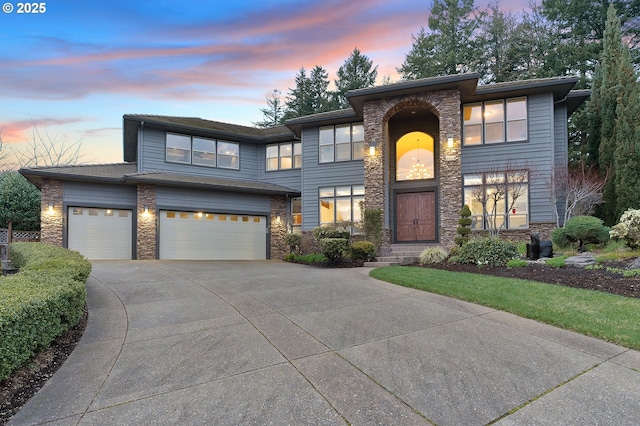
635	264
580	261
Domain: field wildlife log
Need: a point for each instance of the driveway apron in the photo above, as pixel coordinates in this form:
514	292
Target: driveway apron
268	342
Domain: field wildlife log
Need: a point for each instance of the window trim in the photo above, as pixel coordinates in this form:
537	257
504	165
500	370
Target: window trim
296	156
504	179
191	152
334	151
506	120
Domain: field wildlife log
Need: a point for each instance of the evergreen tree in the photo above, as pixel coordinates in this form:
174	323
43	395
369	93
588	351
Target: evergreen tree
627	152
450	46
496	34
609	94
274	112
357	72
298	101
19	202
320	98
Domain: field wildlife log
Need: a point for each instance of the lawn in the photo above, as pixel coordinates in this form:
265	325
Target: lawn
605	316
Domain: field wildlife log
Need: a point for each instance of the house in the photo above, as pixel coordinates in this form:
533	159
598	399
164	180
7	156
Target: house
191	188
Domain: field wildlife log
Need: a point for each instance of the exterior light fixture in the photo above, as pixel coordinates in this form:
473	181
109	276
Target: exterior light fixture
51	205
372	148
450	141
146	209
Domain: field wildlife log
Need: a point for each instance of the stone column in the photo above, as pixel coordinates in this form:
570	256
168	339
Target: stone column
278	225
147	223
51	219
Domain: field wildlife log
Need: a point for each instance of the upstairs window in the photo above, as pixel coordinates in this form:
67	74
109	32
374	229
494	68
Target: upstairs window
495	121
202	152
284	156
343	142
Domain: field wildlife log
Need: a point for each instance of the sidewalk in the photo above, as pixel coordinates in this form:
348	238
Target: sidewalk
267	342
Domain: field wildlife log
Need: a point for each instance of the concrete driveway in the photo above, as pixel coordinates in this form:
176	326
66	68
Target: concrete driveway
267	342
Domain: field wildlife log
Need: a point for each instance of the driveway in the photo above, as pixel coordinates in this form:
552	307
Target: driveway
268	342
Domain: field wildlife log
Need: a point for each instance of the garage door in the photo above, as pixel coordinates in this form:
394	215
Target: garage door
100	233
212	236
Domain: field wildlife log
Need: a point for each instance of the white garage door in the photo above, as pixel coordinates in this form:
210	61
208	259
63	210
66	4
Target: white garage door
100	233
212	236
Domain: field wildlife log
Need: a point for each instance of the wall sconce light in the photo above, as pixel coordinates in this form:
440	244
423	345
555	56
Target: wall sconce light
372	148
51	206
450	141
278	219
146	209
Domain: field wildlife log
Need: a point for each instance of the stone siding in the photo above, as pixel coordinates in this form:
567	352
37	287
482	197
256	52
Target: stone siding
147	223
445	105
52	222
278	225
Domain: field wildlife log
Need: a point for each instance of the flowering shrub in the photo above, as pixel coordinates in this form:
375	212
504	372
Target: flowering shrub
628	229
487	252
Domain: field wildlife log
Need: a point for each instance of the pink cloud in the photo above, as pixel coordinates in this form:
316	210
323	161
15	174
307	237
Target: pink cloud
14	131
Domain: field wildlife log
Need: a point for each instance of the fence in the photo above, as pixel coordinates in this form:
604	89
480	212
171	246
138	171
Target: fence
8	236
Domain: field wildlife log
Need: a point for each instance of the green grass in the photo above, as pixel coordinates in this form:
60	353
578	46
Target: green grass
557	262
601	315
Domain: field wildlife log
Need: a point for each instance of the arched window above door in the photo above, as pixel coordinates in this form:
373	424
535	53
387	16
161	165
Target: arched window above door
415	157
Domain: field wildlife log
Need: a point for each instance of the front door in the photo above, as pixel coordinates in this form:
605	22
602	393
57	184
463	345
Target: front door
416	217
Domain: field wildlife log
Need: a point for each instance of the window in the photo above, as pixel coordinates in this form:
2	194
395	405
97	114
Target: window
340	205
415	157
498	200
202	152
495	121
284	156
342	142
296	214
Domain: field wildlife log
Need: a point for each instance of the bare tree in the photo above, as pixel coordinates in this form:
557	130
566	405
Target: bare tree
575	192
45	149
499	193
4	154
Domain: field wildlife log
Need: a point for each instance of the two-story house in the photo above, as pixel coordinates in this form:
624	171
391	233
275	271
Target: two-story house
191	188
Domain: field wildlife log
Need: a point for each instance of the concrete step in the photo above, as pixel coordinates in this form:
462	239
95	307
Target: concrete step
399	260
378	264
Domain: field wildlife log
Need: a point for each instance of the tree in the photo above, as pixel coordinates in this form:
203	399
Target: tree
298	102
320	98
273	114
357	72
47	150
19	202
4	155
495	38
626	160
575	192
450	46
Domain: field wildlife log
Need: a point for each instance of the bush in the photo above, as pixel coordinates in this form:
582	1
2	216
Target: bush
334	248
433	255
41	302
308	259
581	230
363	250
293	241
372	225
628	229
487	252
323	232
464	230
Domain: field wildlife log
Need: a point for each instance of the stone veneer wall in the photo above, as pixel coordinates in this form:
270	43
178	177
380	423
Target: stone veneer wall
51	223
278	227
446	106
542	228
147	223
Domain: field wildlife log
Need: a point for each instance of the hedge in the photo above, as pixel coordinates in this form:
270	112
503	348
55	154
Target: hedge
41	302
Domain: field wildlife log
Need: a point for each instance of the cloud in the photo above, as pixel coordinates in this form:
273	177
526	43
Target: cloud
14	131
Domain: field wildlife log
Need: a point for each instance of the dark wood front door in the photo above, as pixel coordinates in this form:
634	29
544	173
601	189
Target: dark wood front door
416	216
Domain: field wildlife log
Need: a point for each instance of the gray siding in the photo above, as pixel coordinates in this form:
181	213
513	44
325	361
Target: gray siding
99	195
561	145
153	160
318	175
537	154
288	178
211	201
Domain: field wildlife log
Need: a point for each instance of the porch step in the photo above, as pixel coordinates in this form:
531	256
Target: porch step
399	254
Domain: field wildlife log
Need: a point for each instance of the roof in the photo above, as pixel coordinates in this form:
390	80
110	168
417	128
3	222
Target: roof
198	127
560	86
126	174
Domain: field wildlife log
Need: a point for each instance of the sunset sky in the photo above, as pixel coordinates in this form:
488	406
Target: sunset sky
75	69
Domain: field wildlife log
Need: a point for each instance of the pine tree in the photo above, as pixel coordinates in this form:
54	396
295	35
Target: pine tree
320	99
274	112
357	72
450	46
298	101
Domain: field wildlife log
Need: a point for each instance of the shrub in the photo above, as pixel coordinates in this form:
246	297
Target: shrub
41	302
487	251
628	229
581	230
363	250
323	232
334	248
464	230
371	220
293	241
433	255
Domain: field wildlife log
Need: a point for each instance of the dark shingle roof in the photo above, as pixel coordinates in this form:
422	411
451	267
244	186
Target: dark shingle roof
85	172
